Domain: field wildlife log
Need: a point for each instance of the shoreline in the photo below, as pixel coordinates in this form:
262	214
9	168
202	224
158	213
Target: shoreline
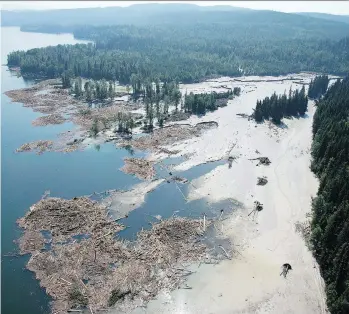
257	242
251	282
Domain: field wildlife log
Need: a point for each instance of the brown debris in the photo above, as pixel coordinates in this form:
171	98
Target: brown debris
140	167
31	241
100	271
179	179
167	151
48	97
66	218
50	119
171	134
179	116
38	146
42	97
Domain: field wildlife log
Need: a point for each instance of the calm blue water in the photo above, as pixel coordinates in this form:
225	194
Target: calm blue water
26	176
167	200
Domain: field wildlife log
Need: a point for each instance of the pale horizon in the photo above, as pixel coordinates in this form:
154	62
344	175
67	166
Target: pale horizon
329	7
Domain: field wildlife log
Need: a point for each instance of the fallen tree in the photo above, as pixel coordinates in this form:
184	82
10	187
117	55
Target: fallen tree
140	167
87	267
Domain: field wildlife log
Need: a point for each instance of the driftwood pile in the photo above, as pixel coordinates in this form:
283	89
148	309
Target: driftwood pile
178	116
244	115
43	98
179	179
86	267
50	98
140	167
38	146
171	134
49	119
262	161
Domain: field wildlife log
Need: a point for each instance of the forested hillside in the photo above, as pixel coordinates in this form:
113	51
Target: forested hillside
137	14
164	13
195	51
330	225
325	16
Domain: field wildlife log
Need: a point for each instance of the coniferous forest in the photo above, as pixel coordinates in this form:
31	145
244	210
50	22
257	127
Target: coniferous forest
278	106
154	52
212	43
200	103
318	86
330	224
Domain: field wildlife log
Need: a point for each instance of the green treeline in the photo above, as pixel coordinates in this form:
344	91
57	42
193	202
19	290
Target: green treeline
91	90
157	98
330	223
201	103
318	86
189	53
279	106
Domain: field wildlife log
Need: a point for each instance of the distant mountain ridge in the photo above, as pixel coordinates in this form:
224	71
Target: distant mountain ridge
134	14
325	16
155	13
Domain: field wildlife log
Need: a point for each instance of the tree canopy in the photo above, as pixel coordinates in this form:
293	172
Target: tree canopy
277	107
197	50
330	224
318	86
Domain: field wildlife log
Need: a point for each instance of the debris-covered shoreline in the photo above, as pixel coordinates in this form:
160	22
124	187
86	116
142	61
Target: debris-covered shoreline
171	134
100	120
38	146
59	106
269	216
142	168
87	267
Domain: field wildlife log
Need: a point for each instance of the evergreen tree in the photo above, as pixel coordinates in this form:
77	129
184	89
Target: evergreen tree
330	162
88	92
318	86
276	107
111	91
66	80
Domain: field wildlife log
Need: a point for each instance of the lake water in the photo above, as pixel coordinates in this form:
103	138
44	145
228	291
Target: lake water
25	177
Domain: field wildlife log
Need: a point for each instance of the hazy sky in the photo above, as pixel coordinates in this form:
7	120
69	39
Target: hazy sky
333	7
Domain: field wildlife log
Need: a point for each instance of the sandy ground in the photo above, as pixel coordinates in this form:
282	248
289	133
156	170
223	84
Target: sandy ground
120	203
251	281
